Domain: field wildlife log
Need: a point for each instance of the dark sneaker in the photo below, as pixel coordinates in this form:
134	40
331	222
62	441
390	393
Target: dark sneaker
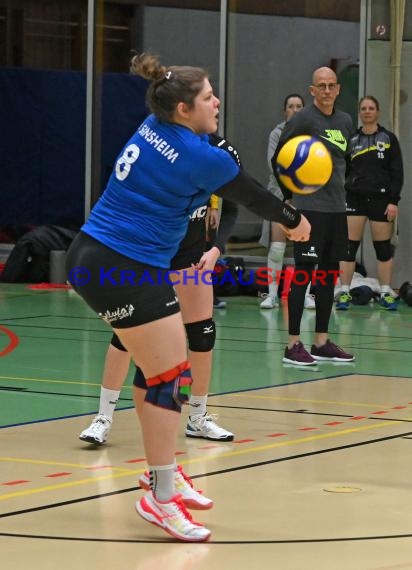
342	304
388	302
330	351
298	355
219	303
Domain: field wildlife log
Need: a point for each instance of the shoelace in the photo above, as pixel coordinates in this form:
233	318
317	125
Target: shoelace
187	479
178	508
206	418
100	420
211	417
388	299
337	347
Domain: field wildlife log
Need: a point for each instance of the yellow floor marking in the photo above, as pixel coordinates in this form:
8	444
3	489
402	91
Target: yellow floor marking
62	486
294	441
338	402
49	381
203	459
56	463
46	380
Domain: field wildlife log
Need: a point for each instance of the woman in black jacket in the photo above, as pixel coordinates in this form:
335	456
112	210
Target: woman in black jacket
373	184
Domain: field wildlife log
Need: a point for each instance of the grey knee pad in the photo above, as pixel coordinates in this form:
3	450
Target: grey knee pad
383	250
276	251
201	335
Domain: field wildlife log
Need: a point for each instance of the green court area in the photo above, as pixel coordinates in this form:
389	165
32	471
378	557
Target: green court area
52	349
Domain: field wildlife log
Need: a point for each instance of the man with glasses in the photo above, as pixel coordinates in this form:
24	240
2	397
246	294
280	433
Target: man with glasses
326	212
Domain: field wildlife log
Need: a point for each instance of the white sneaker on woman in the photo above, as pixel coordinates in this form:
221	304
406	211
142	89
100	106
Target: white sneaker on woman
310	302
173	517
98	430
205	427
270	302
192	498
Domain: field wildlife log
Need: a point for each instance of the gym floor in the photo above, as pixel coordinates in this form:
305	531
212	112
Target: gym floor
317	478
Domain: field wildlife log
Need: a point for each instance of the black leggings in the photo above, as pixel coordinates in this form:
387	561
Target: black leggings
324	293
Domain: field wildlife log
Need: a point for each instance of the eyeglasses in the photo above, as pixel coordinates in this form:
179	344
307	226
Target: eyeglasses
324	86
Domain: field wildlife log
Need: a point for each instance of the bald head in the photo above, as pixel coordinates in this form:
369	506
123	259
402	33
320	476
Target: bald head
324	89
323	74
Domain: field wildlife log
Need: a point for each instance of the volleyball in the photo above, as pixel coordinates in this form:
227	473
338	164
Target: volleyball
304	164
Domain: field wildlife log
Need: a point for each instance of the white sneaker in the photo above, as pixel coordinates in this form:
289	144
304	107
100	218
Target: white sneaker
270	302
206	428
172	517
98	430
183	484
310	302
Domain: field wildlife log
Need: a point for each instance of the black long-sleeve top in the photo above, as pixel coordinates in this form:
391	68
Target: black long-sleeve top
375	165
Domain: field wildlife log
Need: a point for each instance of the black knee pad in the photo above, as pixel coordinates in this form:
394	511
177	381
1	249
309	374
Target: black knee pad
201	335
383	250
116	342
353	247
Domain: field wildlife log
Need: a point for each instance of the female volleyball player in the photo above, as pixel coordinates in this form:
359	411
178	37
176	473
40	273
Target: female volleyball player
196	302
373	189
119	261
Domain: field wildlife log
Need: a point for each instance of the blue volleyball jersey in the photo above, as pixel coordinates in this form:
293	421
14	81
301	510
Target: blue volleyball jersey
162	175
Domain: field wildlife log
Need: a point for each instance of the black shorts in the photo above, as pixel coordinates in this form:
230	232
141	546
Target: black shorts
328	242
123	292
184	258
372	206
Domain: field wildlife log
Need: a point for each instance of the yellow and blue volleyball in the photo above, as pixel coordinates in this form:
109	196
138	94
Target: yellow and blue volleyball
304	164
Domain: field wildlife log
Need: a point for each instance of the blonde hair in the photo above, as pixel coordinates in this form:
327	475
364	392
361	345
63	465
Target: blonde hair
169	85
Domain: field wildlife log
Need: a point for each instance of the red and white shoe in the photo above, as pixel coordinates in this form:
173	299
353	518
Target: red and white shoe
191	498
173	517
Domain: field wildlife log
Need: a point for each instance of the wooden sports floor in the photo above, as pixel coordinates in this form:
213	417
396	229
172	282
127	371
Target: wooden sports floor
319	475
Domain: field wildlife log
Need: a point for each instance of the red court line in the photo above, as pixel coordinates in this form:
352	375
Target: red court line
13	341
212	446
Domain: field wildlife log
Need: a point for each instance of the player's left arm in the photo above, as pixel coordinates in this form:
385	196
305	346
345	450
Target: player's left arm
395	170
228	219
